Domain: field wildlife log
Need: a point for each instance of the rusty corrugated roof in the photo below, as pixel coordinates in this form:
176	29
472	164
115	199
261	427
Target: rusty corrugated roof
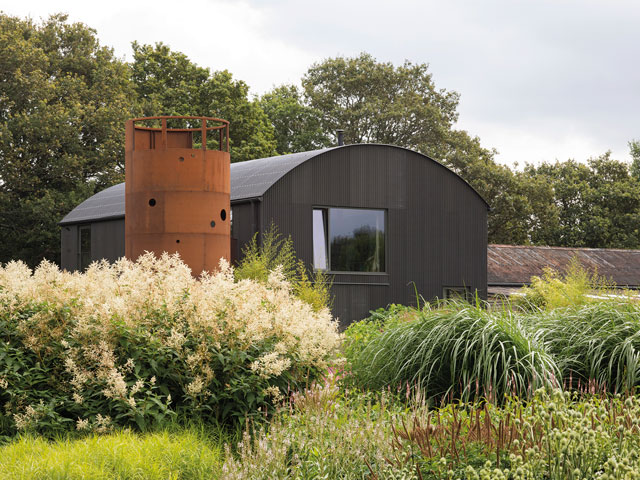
512	264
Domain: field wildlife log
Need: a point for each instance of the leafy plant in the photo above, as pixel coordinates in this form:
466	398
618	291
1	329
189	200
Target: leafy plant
137	344
576	286
270	251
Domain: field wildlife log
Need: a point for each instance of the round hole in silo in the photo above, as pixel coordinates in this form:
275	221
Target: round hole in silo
223	214
152	202
181	159
178	241
213	224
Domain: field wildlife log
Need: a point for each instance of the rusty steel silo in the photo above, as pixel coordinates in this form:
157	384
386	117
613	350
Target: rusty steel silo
177	196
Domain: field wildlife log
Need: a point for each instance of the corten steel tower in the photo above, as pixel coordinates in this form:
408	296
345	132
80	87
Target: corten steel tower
177	196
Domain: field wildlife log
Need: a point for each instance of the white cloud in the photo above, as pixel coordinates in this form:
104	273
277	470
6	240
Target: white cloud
216	34
539	79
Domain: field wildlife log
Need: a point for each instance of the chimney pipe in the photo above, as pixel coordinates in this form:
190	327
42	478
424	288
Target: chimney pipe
340	134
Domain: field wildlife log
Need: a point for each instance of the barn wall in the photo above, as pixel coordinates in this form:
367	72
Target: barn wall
69	248
245	222
436	224
107	240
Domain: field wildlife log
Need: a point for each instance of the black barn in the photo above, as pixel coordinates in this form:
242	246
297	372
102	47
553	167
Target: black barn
384	221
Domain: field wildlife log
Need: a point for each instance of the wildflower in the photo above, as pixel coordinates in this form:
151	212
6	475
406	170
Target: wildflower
82	424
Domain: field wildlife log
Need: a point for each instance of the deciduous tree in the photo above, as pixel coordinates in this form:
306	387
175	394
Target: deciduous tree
64	99
168	83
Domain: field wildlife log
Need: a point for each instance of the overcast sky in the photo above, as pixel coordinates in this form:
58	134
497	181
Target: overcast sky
539	80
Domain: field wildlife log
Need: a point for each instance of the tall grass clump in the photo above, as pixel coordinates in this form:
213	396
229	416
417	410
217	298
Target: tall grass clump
459	350
359	334
139	343
595	342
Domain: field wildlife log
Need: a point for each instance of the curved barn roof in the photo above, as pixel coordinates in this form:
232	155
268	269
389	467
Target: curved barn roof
250	179
109	203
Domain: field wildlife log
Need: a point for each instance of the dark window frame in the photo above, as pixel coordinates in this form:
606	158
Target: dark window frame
451	292
327	209
84	228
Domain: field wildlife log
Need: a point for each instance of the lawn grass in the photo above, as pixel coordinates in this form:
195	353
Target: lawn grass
187	454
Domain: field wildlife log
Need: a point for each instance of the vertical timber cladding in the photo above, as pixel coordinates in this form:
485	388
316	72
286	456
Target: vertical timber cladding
436	223
177	196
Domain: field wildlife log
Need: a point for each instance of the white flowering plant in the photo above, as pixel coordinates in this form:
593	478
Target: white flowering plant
136	343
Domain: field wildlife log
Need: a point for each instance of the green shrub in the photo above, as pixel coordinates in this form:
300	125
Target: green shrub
136	344
459	350
577	286
116	456
271	251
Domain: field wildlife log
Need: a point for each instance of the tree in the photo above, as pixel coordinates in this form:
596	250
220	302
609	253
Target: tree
297	126
634	150
378	103
168	83
597	204
63	103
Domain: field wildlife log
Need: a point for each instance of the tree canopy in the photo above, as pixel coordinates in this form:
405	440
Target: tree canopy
168	83
64	99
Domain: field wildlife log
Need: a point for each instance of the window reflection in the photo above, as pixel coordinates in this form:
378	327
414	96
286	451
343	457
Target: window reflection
320	239
349	239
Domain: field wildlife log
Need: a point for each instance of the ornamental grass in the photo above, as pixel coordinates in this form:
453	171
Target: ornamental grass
459	351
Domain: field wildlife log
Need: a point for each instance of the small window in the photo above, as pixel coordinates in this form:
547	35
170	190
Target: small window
457	293
349	239
84	243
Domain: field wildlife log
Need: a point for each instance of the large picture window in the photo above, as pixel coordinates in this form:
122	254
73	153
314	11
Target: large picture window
349	239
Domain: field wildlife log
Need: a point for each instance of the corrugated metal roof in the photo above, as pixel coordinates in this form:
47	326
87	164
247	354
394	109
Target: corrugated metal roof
509	264
109	203
253	178
250	179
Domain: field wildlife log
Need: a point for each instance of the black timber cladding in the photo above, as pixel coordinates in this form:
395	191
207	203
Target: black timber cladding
436	223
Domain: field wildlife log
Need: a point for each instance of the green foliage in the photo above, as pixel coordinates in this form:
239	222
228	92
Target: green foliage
266	252
595	344
140	344
373	102
634	150
122	456
576	286
595	204
271	251
297	126
459	350
63	101
168	83
555	435
314	288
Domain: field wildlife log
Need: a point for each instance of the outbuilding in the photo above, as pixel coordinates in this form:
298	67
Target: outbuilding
388	224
